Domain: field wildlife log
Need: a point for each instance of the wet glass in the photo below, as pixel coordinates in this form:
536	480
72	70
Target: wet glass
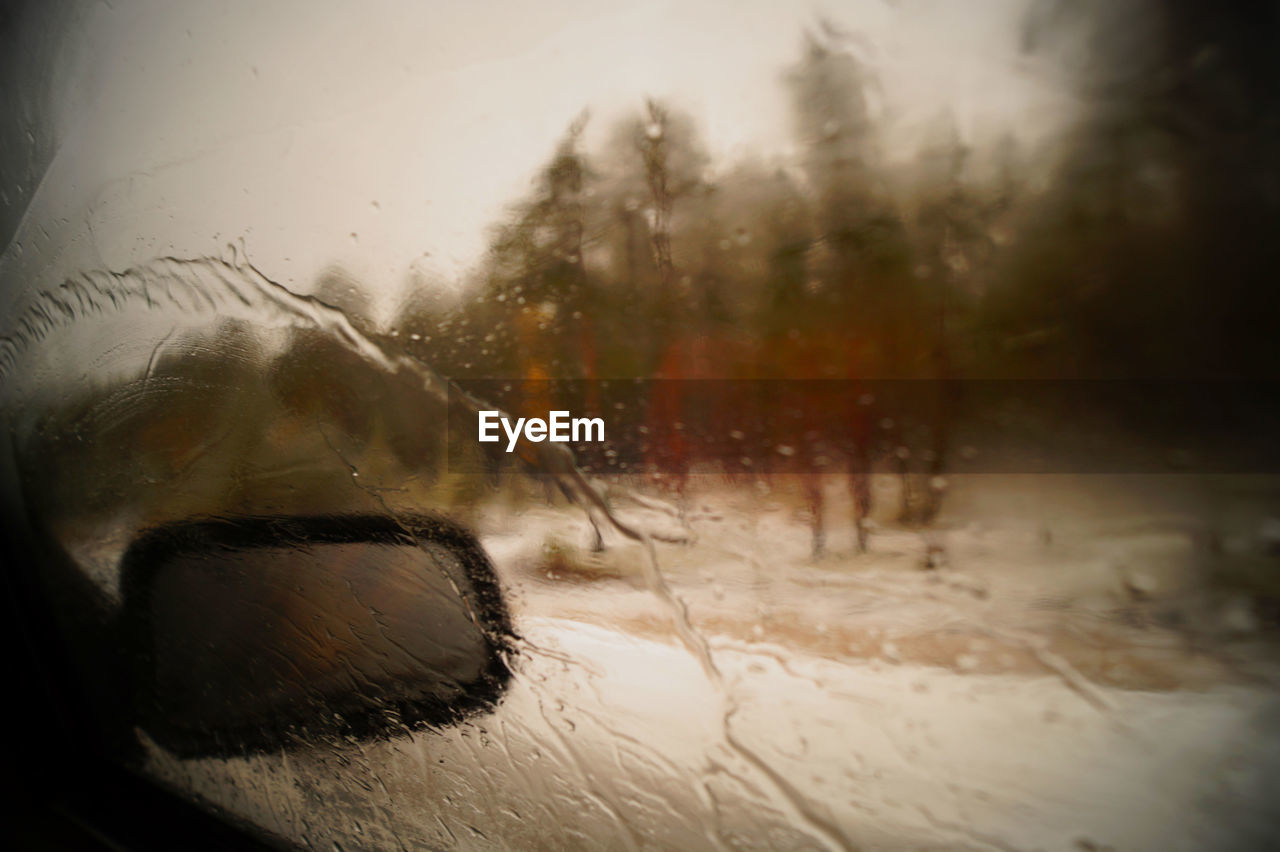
937	502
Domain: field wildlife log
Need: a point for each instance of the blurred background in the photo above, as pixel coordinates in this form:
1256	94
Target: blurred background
936	344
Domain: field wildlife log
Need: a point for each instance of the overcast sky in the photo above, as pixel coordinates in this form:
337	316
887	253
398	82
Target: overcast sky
386	136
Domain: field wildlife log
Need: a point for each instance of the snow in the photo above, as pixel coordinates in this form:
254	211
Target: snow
861	702
605	733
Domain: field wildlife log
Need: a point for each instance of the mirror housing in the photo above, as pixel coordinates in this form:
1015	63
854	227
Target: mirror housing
255	634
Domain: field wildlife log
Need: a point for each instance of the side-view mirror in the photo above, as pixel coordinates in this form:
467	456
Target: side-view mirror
259	633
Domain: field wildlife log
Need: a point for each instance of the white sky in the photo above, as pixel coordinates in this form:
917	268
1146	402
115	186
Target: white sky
294	126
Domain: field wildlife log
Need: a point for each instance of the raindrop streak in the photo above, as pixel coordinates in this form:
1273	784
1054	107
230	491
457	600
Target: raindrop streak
236	288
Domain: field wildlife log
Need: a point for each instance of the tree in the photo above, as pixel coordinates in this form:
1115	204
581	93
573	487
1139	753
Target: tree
1155	246
860	260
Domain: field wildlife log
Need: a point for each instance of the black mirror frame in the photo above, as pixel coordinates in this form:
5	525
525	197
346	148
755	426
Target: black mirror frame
149	553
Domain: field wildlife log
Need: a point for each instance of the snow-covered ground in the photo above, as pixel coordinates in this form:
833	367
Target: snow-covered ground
1122	598
611	741
1074	687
